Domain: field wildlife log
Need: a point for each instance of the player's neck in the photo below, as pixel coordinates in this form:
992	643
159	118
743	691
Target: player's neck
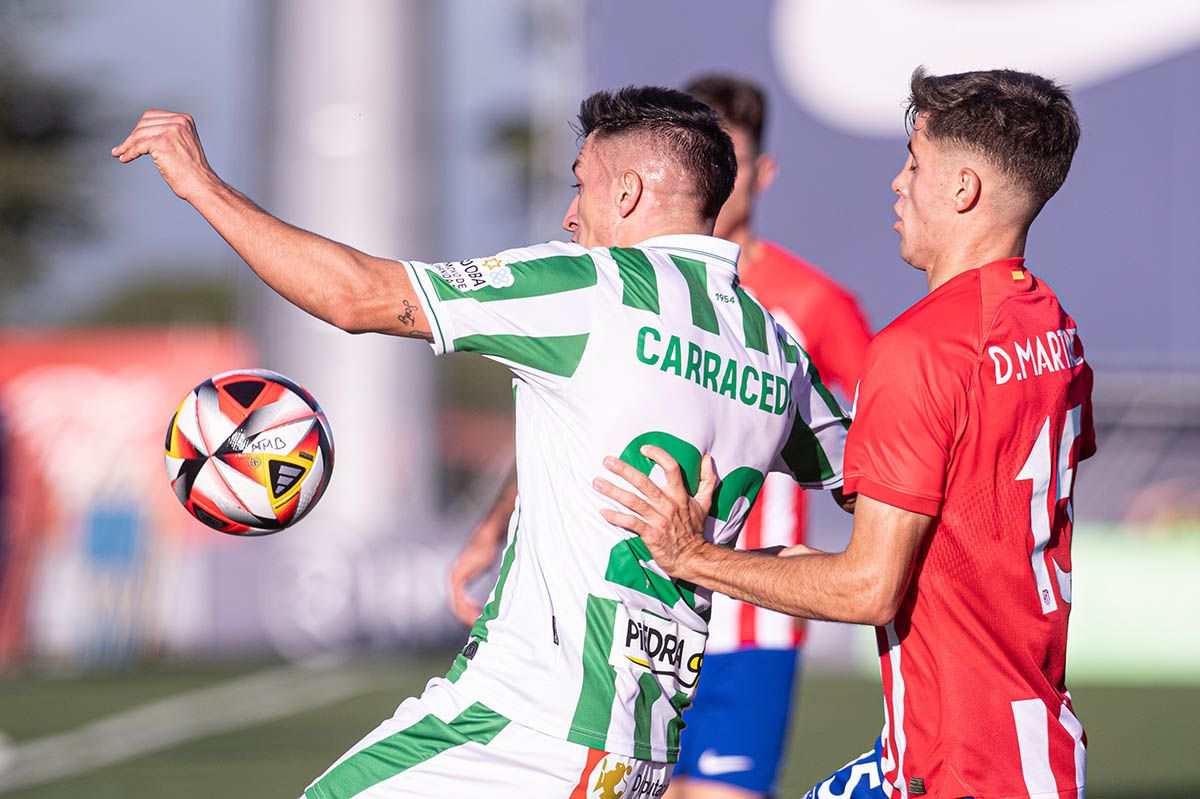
630	235
973	253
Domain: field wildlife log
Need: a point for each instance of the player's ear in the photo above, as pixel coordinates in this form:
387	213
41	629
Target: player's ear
765	170
967	189
628	192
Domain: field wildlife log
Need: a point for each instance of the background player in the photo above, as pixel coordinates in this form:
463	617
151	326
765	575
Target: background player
636	336
737	727
973	414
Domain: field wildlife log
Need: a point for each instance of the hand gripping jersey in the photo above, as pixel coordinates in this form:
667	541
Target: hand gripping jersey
826	321
584	636
975	407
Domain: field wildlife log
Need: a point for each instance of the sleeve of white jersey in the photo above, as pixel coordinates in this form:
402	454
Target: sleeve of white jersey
528	308
812	454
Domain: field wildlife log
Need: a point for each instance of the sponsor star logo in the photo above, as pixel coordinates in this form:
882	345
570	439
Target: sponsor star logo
475	274
500	278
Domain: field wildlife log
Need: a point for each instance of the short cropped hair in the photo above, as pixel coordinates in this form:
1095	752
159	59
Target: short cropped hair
741	103
1024	124
685	127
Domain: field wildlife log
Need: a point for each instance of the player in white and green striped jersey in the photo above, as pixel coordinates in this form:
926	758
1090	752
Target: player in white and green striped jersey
612	349
635	333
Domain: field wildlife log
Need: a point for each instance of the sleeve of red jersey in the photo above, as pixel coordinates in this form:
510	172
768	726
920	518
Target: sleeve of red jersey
1081	394
1087	437
909	406
839	346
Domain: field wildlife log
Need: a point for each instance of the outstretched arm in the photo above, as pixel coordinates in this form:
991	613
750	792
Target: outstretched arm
865	584
341	285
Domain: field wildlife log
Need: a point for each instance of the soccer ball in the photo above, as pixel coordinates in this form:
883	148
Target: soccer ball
249	452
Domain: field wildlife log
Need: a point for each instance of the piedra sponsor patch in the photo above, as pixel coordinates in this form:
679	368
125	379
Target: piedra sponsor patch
648	641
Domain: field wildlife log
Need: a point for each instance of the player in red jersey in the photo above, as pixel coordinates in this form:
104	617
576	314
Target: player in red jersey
732	747
973	414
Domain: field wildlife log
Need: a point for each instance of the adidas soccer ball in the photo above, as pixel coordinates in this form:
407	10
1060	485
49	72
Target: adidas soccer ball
249	452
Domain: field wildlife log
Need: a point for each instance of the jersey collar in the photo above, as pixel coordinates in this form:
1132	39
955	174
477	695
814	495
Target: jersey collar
721	252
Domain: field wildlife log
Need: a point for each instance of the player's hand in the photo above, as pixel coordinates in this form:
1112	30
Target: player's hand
171	140
668	519
477	557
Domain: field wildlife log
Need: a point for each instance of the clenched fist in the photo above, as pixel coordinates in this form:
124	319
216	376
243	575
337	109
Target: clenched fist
171	140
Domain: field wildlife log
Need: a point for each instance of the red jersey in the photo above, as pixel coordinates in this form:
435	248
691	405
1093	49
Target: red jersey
975	408
826	320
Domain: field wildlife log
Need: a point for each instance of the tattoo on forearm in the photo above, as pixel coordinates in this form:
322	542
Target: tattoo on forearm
409	316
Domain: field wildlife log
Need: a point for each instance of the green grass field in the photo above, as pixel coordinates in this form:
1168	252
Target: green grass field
1143	741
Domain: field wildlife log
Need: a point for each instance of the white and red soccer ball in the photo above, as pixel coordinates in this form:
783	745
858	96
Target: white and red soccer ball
249	452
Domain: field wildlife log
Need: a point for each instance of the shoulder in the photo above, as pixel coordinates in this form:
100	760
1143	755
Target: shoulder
548	250
560	263
786	276
953	310
941	331
517	273
1016	303
789	269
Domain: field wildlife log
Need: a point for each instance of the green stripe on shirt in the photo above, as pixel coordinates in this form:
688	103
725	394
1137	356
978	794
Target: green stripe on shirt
536	278
826	395
593	711
754	321
649	692
638	278
805	456
679	703
704	316
791	352
557	355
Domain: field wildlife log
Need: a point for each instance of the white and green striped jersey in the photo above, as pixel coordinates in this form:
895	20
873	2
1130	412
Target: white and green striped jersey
584	636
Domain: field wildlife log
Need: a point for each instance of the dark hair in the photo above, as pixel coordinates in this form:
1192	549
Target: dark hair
684	126
1025	124
740	103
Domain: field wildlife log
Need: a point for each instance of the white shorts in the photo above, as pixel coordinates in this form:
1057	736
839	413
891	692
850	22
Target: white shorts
439	745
